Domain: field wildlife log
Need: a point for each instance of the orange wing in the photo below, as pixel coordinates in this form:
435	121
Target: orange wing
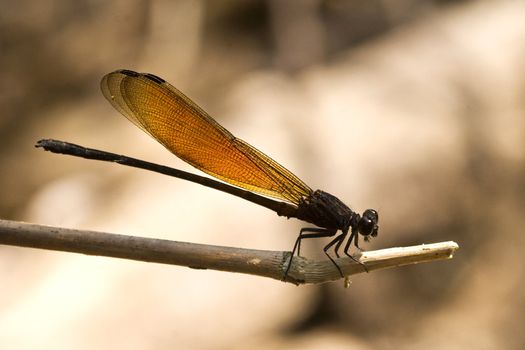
191	134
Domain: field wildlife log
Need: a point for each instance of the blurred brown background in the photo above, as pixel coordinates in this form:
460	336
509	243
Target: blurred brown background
411	107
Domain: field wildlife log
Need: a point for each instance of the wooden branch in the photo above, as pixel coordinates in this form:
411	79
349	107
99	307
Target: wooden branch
201	256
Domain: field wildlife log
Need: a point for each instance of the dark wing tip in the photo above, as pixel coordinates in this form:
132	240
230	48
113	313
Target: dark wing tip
127	72
134	74
154	78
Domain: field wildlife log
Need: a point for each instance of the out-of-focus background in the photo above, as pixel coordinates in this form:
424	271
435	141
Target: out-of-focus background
415	108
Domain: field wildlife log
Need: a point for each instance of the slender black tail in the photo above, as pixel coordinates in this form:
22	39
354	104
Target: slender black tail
61	147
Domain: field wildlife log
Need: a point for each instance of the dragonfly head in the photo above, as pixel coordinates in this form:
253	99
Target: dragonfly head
368	224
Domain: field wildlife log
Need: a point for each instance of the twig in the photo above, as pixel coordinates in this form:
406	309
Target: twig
201	256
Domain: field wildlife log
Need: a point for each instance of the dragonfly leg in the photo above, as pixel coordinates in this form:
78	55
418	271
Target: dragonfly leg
354	237
337	241
311	232
308	232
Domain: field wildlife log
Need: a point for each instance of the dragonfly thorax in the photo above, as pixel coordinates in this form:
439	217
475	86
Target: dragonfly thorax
326	210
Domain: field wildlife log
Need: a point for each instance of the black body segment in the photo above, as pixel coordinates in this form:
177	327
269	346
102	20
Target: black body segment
325	210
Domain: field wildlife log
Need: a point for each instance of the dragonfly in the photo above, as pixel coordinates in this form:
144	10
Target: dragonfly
187	131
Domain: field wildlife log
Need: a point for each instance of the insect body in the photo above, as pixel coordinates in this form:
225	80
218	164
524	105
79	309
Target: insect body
191	134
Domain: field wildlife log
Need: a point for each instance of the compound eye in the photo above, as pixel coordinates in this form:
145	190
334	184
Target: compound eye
368	224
